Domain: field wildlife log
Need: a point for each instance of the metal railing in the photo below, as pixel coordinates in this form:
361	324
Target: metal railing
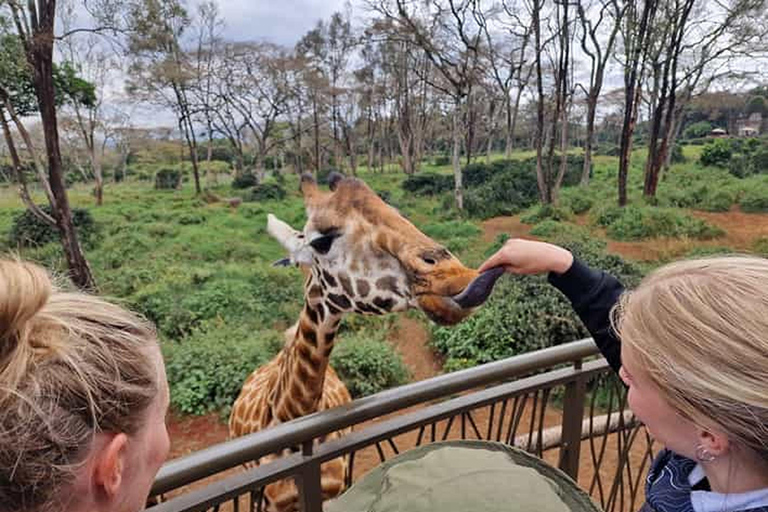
560	403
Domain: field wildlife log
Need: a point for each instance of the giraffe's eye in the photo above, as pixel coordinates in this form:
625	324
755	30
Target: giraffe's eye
323	244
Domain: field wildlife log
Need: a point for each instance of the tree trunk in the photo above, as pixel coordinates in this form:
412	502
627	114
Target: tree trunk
41	59
508	127
456	128
589	140
20	178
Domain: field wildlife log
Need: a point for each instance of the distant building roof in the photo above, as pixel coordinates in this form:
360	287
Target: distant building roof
718	131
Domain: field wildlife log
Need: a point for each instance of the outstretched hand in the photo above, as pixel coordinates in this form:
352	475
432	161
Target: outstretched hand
519	256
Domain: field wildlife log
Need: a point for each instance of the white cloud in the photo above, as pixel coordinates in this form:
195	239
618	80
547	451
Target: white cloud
281	22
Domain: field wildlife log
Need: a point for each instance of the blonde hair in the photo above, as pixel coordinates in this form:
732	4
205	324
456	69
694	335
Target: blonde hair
71	365
700	329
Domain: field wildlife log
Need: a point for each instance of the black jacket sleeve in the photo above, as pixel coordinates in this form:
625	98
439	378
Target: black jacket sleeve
593	294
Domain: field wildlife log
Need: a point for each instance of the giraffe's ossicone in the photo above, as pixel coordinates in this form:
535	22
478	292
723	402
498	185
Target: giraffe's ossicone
360	255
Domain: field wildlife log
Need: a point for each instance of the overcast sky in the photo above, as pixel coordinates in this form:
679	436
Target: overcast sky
278	21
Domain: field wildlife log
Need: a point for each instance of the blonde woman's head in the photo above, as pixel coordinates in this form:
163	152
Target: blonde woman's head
81	387
698	330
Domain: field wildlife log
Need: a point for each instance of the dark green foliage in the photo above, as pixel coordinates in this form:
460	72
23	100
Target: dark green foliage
245	180
677	157
443	160
546	212
524	312
367	363
168	179
717	201
29	231
760	246
178	305
716	153
428	184
504	188
697	130
265	192
579	203
637	223
754	200
206	370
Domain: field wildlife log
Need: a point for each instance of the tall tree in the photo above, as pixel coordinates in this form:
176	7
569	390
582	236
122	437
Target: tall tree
449	35
690	49
35	29
637	25
600	25
161	70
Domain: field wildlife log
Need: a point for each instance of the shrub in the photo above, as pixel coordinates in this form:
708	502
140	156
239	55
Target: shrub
207	370
522	314
265	192
759	161
637	223
504	188
168	179
718	201
754	200
697	130
428	184
179	304
245	180
368	364
451	229
29	231
545	212
760	246
677	156
716	153
443	160
579	203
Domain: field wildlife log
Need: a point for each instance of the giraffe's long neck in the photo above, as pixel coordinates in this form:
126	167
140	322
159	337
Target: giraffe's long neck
302	369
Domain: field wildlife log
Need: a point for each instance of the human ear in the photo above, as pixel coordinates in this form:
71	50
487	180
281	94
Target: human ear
110	465
713	442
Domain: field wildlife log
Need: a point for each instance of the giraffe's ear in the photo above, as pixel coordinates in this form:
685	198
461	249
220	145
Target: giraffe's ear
292	240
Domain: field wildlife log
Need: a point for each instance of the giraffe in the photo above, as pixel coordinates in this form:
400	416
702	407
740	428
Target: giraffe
361	256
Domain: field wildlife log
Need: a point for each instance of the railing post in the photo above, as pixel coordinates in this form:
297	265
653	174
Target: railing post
308	483
573	416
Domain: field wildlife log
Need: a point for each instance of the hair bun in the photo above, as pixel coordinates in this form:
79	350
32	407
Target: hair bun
24	290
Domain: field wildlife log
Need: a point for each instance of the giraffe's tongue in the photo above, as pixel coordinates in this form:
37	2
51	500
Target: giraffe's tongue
479	289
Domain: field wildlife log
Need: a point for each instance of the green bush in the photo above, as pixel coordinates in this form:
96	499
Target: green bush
579	203
526	313
716	153
754	200
697	130
677	157
637	223
265	192
443	231
29	231
523	314
245	180
718	201
368	364
179	304
545	212
428	184
443	160
504	188
168	179
207	370
760	246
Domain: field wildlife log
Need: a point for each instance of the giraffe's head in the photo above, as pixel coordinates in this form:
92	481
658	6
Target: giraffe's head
365	257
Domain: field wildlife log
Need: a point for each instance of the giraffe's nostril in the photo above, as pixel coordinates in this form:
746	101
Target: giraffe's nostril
429	261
